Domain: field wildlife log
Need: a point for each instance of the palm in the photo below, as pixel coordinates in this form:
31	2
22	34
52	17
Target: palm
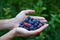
24	33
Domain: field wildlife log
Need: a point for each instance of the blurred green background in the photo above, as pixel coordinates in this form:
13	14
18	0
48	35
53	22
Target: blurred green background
50	9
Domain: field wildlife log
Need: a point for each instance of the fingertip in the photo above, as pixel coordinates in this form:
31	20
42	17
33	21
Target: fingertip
31	11
43	21
41	28
46	24
38	32
42	18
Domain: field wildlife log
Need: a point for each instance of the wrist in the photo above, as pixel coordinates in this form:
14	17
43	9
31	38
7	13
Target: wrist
12	23
6	24
9	35
16	32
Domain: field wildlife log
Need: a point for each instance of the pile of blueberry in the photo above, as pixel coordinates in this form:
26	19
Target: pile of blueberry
31	24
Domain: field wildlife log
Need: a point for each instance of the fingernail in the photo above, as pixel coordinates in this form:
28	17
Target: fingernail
37	32
31	35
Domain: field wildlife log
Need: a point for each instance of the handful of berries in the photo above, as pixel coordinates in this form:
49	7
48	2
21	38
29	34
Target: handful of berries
31	24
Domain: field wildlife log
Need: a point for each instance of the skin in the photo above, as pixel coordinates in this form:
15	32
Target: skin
17	31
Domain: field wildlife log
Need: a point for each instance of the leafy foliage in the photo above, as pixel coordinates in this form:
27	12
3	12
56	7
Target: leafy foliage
50	9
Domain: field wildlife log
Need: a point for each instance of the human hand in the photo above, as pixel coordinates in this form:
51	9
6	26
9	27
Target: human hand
21	32
25	33
23	15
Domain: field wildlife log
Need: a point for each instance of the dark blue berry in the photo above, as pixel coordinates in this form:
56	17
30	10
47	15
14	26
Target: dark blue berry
21	26
35	28
30	22
32	28
26	20
28	17
26	27
34	21
35	24
21	23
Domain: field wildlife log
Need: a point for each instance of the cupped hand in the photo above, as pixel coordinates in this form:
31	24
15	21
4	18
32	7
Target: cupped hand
23	15
25	33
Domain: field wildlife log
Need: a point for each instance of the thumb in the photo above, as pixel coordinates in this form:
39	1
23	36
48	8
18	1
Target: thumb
27	11
41	28
24	12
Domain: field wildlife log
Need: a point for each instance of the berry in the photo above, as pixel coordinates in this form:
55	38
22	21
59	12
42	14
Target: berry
29	17
21	23
31	24
32	28
26	24
35	24
34	21
26	20
26	27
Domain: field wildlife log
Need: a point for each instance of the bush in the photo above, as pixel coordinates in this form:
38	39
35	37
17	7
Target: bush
50	9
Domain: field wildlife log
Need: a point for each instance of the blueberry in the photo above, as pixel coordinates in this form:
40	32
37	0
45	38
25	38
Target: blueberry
21	23
30	22
34	21
32	28
37	23
26	27
26	20
39	26
35	28
28	17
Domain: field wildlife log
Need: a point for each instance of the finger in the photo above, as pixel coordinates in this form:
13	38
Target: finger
43	21
41	28
27	11
37	17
